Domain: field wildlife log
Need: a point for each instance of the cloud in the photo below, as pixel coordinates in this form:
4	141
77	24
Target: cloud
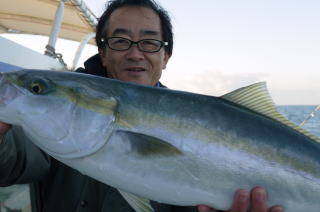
293	96
285	89
213	83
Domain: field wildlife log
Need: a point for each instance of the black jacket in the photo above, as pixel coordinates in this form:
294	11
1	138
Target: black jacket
55	186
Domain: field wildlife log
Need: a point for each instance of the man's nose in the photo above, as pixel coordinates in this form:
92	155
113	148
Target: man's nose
134	53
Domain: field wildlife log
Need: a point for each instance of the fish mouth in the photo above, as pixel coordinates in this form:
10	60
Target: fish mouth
1	77
8	92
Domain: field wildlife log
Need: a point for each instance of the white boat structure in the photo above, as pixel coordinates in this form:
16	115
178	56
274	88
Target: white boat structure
67	19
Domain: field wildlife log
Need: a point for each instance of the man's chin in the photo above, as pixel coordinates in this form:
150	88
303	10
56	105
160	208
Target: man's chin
140	81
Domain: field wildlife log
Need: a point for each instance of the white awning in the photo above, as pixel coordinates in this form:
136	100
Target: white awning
37	17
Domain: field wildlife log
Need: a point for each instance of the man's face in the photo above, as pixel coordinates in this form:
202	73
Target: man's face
133	65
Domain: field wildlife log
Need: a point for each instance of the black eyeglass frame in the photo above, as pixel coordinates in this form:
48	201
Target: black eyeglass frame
162	44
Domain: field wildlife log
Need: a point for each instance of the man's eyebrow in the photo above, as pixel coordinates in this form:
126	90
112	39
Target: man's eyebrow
149	32
120	31
123	31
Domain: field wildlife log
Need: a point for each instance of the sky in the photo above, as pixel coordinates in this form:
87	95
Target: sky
221	45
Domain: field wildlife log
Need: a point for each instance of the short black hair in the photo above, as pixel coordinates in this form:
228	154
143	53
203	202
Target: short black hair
166	26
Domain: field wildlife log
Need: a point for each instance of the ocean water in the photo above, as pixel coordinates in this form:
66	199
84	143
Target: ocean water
298	114
17	197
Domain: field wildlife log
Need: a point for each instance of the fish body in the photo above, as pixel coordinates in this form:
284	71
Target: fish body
169	146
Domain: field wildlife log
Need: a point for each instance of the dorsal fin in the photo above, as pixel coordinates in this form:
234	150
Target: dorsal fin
257	98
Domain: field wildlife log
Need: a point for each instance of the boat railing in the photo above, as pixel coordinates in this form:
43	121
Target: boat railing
87	14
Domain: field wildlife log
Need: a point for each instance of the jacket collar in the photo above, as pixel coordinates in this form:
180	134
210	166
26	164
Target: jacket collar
94	66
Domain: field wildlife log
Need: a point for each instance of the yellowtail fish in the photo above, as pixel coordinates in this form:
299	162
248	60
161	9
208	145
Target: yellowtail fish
169	146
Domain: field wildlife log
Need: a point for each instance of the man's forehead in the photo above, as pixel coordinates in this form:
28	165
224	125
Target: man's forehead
129	20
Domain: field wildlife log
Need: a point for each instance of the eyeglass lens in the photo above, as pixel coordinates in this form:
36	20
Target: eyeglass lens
147	45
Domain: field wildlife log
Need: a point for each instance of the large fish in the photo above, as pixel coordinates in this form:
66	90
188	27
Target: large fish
169	146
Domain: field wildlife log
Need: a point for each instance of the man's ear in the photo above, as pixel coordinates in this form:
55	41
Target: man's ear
102	54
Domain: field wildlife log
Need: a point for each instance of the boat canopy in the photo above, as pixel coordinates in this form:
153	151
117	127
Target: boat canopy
38	17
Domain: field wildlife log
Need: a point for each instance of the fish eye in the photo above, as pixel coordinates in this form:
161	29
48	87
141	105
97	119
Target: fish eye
38	87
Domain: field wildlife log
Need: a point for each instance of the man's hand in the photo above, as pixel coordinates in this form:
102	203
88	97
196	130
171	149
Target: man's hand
4	127
242	199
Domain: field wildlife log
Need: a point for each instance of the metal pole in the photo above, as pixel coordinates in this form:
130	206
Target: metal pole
80	49
50	48
88	15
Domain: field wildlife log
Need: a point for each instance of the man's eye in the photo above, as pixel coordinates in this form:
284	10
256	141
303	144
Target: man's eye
150	43
121	41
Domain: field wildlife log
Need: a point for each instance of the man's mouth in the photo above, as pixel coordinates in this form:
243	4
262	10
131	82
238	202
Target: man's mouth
135	69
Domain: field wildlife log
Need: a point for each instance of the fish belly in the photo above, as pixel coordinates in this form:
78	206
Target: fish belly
191	179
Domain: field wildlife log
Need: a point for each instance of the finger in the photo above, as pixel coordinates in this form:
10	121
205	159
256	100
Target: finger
241	201
259	200
204	208
4	128
276	208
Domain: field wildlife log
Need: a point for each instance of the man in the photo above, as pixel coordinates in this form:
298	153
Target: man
134	39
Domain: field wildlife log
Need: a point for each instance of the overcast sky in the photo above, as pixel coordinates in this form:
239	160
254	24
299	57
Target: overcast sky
221	45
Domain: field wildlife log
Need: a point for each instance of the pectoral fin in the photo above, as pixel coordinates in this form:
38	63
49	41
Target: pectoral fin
137	203
146	145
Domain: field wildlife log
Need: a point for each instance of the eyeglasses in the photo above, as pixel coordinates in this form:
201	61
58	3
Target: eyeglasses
145	45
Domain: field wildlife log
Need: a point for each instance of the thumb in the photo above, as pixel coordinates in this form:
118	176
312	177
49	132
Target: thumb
4	127
204	208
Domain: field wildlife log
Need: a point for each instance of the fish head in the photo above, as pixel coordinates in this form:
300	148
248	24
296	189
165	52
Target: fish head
65	114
